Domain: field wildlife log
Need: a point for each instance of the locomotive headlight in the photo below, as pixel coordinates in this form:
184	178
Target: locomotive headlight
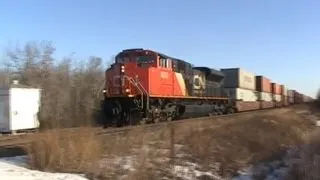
127	90
122	68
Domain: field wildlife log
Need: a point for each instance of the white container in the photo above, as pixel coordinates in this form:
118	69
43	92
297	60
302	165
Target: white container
285	91
19	107
239	78
277	97
242	94
264	96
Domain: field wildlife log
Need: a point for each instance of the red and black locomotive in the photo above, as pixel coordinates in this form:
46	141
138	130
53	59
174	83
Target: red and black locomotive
155	87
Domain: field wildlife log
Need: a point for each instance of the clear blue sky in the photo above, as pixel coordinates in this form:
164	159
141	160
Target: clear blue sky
278	39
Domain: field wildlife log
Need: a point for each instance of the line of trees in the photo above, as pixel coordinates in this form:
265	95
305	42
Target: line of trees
70	88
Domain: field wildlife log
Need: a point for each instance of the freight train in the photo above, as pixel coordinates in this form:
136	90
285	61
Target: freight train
145	86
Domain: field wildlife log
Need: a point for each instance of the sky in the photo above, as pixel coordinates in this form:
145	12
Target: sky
276	39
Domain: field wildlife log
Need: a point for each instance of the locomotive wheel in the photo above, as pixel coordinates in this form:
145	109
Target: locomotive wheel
143	121
213	113
231	111
219	113
119	121
156	120
134	118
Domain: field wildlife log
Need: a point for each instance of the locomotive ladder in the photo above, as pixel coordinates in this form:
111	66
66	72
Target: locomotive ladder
142	90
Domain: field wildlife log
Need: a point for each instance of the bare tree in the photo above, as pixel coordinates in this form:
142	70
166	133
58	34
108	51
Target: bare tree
69	90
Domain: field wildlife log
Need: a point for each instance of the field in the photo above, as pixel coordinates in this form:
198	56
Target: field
277	143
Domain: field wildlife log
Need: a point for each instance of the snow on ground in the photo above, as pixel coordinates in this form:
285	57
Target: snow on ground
275	170
189	172
15	168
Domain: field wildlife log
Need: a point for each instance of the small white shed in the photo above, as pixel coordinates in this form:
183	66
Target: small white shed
19	107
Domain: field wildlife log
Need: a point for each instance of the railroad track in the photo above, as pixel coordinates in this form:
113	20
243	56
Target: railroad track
24	139
161	124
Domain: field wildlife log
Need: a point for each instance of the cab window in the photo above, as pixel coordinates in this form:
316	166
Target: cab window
165	63
122	59
145	61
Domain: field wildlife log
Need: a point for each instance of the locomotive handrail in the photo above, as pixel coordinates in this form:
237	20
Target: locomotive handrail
140	88
147	95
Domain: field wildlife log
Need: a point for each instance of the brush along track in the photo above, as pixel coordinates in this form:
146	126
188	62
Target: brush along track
24	139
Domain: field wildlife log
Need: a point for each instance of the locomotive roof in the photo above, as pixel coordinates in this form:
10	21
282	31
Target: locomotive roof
209	71
161	54
168	57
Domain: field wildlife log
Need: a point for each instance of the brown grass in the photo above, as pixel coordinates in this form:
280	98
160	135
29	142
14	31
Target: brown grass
247	141
65	151
308	167
222	147
145	151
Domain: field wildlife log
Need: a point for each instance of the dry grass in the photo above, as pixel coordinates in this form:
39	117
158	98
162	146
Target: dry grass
249	141
65	151
221	147
308	166
135	155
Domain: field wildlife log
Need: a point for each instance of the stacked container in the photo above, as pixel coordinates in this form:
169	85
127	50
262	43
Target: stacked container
297	97
291	96
276	91
263	86
284	95
300	98
307	99
240	85
304	98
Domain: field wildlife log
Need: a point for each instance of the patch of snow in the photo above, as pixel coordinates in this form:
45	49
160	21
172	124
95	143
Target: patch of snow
275	170
303	112
190	172
15	168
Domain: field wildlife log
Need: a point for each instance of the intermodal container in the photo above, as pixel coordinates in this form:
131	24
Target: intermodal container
241	94
277	97
290	93
275	88
267	104
247	106
263	84
306	98
264	96
284	100
290	100
239	78
302	97
297	97
284	90
309	99
278	104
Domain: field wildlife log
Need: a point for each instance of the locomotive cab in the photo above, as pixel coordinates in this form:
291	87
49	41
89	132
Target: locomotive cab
133	67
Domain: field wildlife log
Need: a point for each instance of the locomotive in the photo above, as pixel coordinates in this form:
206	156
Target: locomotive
145	86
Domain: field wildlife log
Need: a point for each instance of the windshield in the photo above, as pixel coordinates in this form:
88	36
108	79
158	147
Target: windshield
145	59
